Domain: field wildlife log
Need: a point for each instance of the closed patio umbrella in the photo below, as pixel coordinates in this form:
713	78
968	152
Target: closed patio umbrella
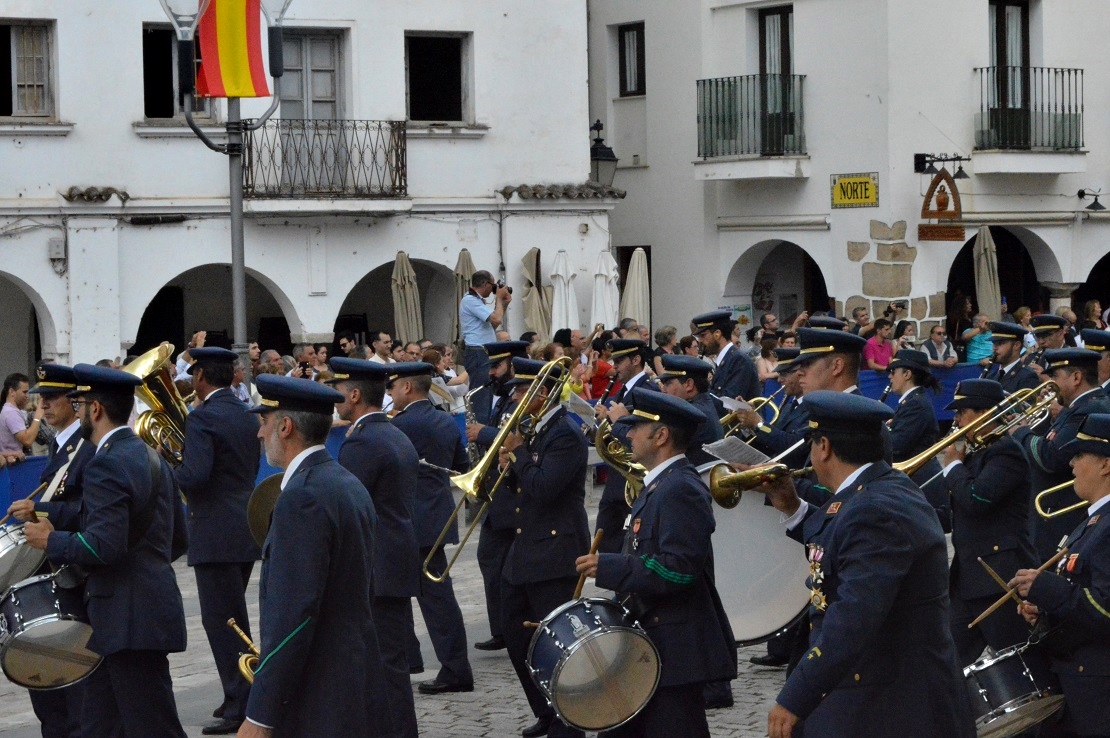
564	303
606	299
987	290
464	270
536	299
407	320
636	301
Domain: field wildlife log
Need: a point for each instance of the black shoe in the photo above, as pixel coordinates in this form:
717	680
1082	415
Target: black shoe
437	687
222	727
716	704
218	712
768	660
493	644
538	728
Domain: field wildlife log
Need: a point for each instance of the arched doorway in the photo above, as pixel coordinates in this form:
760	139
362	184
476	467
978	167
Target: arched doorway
1097	287
200	300
1017	273
19	330
369	304
781	278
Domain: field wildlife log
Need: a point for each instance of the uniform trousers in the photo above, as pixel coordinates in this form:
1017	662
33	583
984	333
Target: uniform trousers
671	711
393	621
533	601
493	547
59	710
222	590
130	695
1002	628
445	625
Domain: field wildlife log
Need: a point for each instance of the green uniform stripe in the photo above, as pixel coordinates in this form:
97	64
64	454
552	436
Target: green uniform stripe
1095	604
281	645
670	576
86	544
977	497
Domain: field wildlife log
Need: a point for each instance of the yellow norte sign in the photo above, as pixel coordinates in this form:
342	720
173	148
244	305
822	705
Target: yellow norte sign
855	190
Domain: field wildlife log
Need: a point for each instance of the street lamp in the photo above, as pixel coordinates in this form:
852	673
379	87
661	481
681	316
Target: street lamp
603	162
185	15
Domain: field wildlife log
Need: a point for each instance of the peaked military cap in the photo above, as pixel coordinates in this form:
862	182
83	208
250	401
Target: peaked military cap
1007	332
92	378
526	370
659	407
842	412
402	369
910	359
680	366
1094	340
626	347
714	319
826	322
357	369
786	358
976	394
1093	436
817	342
1047	323
54	379
210	354
1074	357
296	394
506	349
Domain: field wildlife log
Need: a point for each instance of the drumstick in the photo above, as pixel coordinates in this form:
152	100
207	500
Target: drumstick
1002	600
42	487
530	624
593	550
1000	580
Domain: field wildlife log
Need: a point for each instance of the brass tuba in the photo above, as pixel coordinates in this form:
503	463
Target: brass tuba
163	426
248	662
616	455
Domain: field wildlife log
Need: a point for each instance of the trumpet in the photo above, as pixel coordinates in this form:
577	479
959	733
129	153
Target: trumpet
728	486
1062	511
248	662
730	421
472	483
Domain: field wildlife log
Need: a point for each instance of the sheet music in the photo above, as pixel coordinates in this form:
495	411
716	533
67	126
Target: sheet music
734	451
584	410
732	404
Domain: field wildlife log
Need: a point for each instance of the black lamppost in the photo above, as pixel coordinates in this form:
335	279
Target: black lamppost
603	162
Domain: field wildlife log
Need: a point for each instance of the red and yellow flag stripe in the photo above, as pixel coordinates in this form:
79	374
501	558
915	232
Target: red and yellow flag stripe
230	37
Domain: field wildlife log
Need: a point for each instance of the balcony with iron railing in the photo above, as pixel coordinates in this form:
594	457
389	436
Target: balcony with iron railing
326	160
1029	120
752	126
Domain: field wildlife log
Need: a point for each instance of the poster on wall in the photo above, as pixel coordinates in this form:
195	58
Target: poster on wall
742	314
787	307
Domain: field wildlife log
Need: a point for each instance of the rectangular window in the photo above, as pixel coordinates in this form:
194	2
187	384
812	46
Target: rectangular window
162	96
26	89
631	43
438	87
310	86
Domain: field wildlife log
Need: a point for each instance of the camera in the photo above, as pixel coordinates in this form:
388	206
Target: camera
899	304
501	283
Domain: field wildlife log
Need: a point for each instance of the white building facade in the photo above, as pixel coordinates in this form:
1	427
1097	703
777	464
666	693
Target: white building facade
402	127
737	121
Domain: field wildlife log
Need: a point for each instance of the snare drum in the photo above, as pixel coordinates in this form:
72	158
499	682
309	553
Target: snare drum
17	560
1008	694
43	635
595	665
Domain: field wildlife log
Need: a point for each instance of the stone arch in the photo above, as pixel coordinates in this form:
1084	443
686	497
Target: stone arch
28	331
780	276
1025	263
369	303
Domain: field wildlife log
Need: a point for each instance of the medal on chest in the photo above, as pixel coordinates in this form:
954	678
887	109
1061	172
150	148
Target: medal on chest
815	554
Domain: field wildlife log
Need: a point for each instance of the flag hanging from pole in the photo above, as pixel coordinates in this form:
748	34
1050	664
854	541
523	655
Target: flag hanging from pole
230	36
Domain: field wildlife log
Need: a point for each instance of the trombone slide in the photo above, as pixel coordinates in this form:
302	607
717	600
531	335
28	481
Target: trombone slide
1049	515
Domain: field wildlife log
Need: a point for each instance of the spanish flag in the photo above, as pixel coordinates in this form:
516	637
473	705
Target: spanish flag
230	36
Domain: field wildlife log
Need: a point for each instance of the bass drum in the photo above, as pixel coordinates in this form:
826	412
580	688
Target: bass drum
760	572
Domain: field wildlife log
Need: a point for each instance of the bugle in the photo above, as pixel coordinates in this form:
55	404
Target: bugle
472	483
248	662
727	485
1049	515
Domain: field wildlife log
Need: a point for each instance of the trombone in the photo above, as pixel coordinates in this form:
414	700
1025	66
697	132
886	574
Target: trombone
730	421
1062	511
472	483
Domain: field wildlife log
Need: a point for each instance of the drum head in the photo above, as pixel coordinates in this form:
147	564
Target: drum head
605	679
1018	718
18	561
49	654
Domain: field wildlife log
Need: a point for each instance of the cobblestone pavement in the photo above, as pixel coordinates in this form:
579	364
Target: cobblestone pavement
496	707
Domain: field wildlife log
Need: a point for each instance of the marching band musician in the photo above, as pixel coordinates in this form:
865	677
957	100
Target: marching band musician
547	478
122	534
735	374
665	572
59	710
989	492
490	405
385	461
1075	371
437	441
629	357
880	660
789	427
1051	333
1094	340
217	476
687	378
1008	368
1074	601
914	428
320	672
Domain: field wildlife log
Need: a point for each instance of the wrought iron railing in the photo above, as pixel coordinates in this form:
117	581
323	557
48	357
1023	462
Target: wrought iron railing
326	158
1029	108
760	114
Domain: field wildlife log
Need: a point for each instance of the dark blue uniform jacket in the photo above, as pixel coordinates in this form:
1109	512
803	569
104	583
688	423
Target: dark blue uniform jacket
710	432
914	429
736	376
499	514
789	427
612	510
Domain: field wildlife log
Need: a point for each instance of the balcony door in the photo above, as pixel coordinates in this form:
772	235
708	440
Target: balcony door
314	152
776	79
1008	90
